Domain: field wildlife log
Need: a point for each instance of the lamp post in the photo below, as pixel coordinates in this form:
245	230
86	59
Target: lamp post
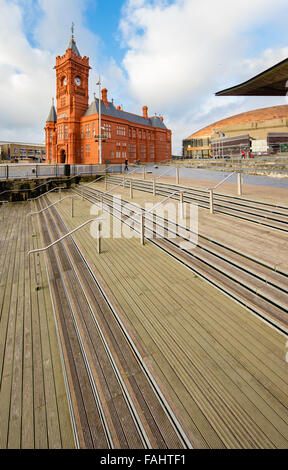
100	137
100	129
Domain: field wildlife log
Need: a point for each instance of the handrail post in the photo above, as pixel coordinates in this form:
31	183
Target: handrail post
181	195
154	187
144	172
239	183
142	228
63	237
211	201
99	238
177	175
154	222
72	207
106	183
124	181
131	189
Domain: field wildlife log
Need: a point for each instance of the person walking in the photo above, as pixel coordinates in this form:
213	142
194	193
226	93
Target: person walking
126	165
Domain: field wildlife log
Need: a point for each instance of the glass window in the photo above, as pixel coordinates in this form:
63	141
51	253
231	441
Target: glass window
107	130
120	130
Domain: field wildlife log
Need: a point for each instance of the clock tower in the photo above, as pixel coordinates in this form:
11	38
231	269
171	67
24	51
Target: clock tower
72	77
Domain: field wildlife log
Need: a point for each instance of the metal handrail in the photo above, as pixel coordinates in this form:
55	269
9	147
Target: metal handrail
152	208
211	202
64	236
91	182
221	182
159	203
114	187
44	194
143	211
54	203
124	174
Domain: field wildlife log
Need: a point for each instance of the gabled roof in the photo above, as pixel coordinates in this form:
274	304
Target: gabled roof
110	110
271	82
52	115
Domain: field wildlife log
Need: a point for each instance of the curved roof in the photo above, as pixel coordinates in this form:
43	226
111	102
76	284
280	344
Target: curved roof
271	82
262	114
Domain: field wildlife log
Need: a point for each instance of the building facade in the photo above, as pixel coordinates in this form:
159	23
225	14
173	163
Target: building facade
260	128
72	132
22	151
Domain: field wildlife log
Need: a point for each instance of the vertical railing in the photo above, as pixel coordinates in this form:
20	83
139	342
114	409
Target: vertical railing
211	190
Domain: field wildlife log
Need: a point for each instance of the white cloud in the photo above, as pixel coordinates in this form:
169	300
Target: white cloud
27	78
180	54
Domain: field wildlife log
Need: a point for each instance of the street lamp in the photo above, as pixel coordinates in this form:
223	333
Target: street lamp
100	129
100	137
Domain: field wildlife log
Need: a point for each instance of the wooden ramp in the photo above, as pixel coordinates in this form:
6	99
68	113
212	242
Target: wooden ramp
34	412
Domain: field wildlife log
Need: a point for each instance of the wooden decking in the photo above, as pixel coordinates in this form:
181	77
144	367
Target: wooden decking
34	410
222	368
259	241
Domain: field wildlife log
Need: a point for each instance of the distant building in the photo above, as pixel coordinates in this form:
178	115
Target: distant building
265	130
72	132
22	151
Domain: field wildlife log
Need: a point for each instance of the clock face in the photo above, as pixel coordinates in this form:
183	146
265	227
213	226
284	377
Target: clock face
78	81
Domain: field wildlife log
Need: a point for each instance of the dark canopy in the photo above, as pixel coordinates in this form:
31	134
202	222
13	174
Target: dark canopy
271	82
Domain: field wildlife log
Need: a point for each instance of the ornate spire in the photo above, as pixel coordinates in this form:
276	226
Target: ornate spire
72	43
52	115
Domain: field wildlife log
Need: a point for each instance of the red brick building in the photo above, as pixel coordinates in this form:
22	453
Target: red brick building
71	131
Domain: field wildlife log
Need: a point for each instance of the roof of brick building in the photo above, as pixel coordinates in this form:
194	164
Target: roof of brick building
110	110
263	114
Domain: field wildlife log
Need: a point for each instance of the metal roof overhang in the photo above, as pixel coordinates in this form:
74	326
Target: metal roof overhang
271	82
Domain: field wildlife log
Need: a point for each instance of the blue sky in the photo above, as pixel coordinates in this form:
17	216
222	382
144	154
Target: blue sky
171	55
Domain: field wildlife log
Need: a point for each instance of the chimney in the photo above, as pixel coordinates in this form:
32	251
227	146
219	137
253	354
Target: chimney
145	112
119	108
104	96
